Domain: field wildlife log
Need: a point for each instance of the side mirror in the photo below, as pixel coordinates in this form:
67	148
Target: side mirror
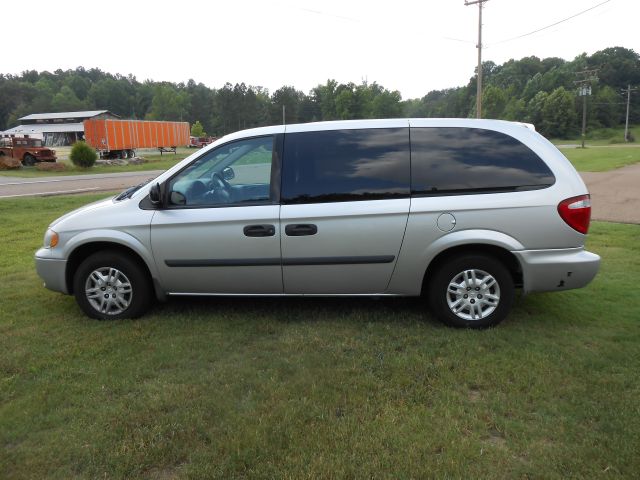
228	173
155	195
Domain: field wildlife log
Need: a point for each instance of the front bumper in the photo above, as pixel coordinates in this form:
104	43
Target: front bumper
51	271
561	269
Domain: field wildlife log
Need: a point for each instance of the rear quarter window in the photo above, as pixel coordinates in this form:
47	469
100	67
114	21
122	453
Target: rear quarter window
472	160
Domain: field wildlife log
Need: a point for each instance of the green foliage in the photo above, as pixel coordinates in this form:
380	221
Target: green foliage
512	91
494	100
558	114
66	101
168	103
535	108
609	108
82	155
197	130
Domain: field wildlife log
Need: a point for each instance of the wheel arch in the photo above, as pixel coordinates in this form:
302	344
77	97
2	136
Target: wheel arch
82	251
508	259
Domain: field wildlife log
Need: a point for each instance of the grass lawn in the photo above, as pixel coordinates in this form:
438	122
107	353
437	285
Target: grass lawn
316	388
601	159
603	136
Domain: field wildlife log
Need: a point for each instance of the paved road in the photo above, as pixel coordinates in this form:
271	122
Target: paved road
11	187
615	195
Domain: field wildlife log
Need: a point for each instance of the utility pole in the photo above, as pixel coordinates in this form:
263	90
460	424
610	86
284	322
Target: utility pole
479	46
283	113
626	122
584	90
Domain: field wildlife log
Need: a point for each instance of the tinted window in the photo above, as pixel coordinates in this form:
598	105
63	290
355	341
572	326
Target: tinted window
447	160
345	165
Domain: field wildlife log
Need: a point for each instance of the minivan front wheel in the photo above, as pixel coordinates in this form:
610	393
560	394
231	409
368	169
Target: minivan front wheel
111	286
473	291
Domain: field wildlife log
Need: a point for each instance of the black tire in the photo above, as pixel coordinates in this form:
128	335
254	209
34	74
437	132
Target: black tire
112	299
132	153
124	154
479	309
29	160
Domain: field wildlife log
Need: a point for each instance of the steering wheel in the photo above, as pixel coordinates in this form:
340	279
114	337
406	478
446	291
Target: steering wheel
220	188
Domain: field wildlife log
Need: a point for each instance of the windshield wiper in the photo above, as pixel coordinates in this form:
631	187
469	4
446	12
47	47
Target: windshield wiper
131	190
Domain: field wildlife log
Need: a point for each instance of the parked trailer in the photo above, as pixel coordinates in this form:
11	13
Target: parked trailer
120	138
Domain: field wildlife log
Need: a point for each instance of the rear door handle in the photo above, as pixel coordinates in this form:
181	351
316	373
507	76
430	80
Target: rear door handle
259	230
300	229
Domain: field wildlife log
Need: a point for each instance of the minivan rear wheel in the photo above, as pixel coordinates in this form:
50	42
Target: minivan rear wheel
110	286
472	291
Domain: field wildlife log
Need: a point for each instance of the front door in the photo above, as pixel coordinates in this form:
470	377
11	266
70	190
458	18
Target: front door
220	232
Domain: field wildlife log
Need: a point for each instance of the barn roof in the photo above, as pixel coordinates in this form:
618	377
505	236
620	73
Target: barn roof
63	115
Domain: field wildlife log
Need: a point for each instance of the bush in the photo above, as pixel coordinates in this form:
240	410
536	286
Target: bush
82	155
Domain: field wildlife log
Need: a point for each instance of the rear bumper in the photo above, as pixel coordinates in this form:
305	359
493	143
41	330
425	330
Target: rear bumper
51	271
552	270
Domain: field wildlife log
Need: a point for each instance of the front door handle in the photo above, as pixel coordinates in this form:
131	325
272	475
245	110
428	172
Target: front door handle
259	230
300	229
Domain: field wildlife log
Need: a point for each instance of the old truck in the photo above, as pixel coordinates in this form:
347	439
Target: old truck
121	138
28	150
200	142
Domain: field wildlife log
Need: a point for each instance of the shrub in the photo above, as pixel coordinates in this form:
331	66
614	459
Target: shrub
82	155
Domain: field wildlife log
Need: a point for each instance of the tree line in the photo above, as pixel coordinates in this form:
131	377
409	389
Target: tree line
540	91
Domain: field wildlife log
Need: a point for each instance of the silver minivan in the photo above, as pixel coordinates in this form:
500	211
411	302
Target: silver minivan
461	211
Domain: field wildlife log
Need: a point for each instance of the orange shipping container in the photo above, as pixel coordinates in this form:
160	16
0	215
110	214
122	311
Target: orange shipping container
113	135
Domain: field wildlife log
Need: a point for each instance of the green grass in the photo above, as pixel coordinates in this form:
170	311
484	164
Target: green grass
600	159
316	388
153	162
603	137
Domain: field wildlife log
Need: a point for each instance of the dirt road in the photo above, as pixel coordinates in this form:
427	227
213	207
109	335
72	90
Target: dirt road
615	195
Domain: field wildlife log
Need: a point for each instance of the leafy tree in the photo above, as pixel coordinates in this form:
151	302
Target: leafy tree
67	101
168	104
559	115
494	100
386	105
607	107
535	109
197	130
516	110
291	99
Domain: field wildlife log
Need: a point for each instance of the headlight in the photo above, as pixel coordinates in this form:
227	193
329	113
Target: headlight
50	239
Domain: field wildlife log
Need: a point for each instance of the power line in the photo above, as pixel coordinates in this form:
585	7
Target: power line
553	24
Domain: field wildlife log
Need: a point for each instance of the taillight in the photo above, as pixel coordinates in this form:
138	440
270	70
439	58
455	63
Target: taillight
576	211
